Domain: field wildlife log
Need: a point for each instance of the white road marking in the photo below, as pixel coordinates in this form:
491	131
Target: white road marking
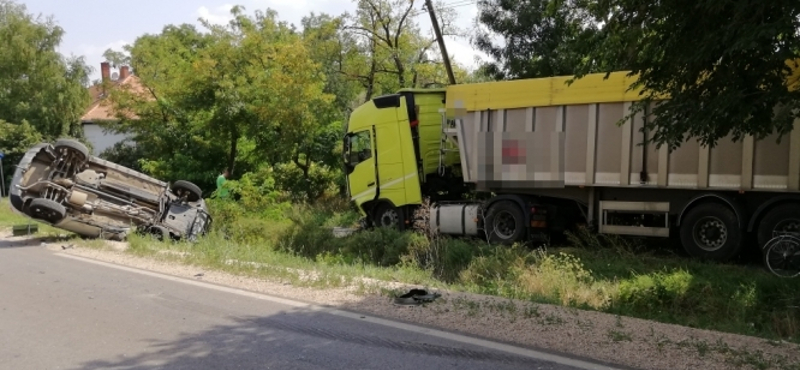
360	317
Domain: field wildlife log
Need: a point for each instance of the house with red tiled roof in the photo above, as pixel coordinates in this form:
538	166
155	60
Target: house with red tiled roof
100	110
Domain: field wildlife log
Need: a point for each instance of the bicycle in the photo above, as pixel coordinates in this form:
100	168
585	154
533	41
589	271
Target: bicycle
782	254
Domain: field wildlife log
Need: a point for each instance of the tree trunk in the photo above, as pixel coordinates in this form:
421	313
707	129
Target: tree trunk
401	71
233	149
371	76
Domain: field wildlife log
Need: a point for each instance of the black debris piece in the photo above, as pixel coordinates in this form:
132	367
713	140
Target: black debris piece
416	297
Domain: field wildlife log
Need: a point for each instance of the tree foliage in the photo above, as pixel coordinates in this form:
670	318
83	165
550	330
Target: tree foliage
15	140
37	84
723	64
533	38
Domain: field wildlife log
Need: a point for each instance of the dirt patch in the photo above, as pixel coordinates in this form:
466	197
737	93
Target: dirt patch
609	338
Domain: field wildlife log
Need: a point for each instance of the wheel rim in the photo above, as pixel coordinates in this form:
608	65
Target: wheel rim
71	154
783	258
389	218
504	224
791	226
710	234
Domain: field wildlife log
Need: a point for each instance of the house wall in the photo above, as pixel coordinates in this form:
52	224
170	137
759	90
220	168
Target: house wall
100	140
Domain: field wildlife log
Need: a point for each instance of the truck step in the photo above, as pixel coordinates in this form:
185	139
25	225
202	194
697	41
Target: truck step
634	218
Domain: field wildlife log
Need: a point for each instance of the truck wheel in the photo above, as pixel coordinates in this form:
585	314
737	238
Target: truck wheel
74	147
711	231
192	191
386	215
47	210
781	219
505	223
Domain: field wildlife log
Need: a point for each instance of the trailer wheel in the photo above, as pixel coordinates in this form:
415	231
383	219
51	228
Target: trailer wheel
47	210
781	219
711	231
505	223
387	215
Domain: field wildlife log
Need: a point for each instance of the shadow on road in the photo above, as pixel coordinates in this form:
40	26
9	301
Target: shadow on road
310	340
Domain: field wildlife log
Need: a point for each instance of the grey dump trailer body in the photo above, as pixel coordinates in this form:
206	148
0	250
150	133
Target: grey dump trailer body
532	150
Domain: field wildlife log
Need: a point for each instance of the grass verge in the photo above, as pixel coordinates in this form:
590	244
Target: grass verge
289	242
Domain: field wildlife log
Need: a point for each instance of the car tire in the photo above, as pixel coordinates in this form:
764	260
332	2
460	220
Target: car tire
80	151
47	210
497	223
711	231
194	192
159	232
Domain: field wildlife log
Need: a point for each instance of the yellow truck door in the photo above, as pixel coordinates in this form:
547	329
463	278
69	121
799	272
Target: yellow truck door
360	165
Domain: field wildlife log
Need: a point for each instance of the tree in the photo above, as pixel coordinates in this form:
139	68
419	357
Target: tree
236	96
399	56
165	126
37	84
335	49
15	140
722	64
537	38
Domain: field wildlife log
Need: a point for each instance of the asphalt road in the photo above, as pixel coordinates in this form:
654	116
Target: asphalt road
63	313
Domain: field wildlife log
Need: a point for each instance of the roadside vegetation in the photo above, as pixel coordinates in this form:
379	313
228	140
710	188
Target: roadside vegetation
611	275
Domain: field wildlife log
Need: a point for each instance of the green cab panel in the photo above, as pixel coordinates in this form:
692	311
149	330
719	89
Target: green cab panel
380	155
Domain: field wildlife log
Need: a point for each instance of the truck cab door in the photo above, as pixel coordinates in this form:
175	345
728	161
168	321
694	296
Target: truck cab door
359	159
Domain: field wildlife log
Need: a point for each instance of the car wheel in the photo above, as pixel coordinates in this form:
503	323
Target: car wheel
505	223
47	210
192	191
711	231
68	146
159	232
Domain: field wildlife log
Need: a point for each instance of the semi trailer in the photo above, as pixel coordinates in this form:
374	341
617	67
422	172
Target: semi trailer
513	160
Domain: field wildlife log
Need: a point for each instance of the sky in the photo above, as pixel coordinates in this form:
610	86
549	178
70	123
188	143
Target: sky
92	26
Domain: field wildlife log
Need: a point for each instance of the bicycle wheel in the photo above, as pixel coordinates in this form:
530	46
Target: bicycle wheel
782	256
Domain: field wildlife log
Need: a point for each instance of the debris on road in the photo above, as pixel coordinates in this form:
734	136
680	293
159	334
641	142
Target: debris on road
416	297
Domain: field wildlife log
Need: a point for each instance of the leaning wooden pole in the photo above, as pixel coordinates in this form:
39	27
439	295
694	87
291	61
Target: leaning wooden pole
445	56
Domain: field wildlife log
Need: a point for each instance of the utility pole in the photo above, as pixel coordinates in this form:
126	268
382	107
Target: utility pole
445	56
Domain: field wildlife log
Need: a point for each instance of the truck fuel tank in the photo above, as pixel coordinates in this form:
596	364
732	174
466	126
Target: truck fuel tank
455	219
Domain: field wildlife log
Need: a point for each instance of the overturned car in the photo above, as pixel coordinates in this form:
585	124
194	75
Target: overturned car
62	185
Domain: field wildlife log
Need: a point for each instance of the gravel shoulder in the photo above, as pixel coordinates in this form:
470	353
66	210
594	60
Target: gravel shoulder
627	342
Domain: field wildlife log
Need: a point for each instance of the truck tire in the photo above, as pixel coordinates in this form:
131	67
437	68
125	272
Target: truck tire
387	215
783	218
711	231
505	223
193	192
47	210
76	148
